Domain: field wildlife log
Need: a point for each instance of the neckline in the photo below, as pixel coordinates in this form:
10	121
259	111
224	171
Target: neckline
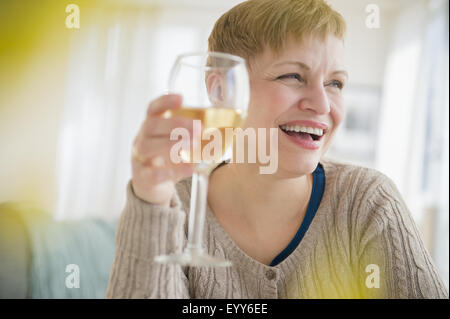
295	256
313	205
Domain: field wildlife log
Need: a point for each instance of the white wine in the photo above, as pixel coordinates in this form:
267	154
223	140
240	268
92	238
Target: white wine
212	118
215	88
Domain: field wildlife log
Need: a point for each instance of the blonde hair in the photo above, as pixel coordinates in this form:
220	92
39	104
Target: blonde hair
248	27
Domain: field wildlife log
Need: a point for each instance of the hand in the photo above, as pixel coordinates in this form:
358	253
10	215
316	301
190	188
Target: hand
154	175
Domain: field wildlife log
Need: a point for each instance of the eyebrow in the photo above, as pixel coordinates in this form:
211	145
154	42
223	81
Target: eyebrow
307	68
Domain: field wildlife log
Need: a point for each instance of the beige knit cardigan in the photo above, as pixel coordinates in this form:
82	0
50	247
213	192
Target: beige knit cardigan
362	243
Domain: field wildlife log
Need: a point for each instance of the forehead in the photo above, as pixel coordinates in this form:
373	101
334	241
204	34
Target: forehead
316	53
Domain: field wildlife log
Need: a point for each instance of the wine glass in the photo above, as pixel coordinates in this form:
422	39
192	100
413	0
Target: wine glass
215	90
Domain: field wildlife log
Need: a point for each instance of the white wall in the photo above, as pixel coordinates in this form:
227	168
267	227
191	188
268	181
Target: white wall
30	130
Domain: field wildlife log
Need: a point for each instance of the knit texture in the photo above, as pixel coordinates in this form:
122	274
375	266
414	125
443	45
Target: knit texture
362	224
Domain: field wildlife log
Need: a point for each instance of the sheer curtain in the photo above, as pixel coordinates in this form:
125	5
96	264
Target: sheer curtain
436	155
119	61
412	145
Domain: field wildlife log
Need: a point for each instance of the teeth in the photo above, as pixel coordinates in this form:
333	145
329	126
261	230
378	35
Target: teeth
305	129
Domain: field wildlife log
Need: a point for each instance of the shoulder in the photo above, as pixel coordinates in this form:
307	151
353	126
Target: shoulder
354	180
368	199
362	194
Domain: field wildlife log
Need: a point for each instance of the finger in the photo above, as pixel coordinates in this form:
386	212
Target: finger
154	176
163	103
159	127
149	148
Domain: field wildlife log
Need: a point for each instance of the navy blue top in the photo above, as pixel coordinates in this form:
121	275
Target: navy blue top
313	205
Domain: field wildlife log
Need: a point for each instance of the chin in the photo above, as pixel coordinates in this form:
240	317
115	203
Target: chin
291	166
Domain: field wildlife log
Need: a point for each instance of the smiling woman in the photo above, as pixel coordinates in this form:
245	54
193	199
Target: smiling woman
299	86
311	229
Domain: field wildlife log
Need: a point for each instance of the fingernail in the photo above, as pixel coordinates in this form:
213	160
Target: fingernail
173	97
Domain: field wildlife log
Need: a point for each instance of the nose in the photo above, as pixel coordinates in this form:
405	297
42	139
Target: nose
315	99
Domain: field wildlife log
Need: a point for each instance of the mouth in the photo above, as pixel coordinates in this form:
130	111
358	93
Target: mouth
303	133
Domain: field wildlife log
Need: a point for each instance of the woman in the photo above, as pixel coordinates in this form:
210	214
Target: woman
315	228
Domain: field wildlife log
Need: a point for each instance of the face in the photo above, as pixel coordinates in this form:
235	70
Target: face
299	89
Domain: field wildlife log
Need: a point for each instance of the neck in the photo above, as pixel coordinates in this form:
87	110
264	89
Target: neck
257	197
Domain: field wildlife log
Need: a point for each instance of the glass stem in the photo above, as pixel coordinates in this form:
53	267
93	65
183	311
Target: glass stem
199	196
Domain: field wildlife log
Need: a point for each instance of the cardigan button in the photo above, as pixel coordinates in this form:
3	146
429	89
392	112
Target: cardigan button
270	274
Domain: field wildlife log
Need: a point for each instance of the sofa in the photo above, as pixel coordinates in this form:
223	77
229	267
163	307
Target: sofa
39	255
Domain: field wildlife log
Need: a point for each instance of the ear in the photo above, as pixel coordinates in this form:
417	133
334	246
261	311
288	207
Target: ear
215	87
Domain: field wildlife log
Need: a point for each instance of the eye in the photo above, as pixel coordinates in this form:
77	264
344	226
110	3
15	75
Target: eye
336	84
294	76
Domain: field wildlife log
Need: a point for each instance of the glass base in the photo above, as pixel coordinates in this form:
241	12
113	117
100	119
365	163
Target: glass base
195	259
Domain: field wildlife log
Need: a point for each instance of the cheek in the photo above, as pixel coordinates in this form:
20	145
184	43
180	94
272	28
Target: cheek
267	103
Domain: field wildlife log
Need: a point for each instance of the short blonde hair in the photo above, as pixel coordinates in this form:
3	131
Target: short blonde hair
246	29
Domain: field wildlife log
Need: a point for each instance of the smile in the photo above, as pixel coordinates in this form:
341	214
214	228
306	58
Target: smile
303	136
315	133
